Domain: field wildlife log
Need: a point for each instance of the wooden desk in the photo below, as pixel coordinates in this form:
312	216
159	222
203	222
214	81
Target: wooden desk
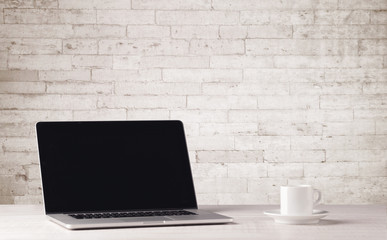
344	222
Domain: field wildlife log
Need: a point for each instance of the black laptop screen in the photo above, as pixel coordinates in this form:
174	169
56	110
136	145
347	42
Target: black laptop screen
112	166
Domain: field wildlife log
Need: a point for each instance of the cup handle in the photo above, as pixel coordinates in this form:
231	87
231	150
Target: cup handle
317	201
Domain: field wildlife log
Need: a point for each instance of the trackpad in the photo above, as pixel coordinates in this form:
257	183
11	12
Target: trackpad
142	219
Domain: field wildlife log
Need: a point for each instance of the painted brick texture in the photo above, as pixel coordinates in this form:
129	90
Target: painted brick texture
271	92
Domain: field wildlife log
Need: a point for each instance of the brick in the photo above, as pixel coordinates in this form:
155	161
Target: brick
370	114
147	75
35	31
217	47
269	186
373	47
248	170
262	143
100	114
268	4
191	129
201	116
296	116
291	156
243	116
290	129
3	60
375	88
197	17
328	62
141	102
240	62
144	47
18	3
126	62
32	116
171	4
73	75
22	87
277	17
49	16
255	17
286	170
241	198
80	46
221	102
39	62
283	75
92	61
202	75
94	4
288	102
228	129
245	88
221	185
337	17
325	88
33	172
175	62
338	142
79	88
339	31
98	31
355	75
362	4
15	130
372	169
18	159
14	186
269	31
31	46
355	155
18	76
147	114
18	144
381	127
200	32
39	102
230	156
233	32
352	101
46	3
342	169
210	142
148	32
379	17
350	128
131	88
301	47
125	17
209	170
1	17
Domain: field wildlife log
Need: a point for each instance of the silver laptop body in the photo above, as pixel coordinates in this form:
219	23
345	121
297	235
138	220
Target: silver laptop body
118	174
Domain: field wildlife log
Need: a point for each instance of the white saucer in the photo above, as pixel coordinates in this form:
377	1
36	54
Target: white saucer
296	220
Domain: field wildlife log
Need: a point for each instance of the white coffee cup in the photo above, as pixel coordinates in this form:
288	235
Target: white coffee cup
299	200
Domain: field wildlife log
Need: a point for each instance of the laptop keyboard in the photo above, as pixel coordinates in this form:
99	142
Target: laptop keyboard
131	214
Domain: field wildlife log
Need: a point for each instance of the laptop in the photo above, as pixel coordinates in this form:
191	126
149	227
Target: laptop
118	174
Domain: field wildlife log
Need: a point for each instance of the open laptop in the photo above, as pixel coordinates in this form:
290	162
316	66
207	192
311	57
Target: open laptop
118	174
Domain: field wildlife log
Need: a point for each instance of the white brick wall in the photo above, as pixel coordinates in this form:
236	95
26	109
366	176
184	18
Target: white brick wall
271	92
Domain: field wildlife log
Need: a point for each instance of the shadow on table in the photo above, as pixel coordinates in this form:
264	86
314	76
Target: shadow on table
330	222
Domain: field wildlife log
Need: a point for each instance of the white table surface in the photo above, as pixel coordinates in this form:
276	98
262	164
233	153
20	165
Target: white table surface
343	222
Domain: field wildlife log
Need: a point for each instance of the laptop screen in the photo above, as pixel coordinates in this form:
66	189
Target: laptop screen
115	165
